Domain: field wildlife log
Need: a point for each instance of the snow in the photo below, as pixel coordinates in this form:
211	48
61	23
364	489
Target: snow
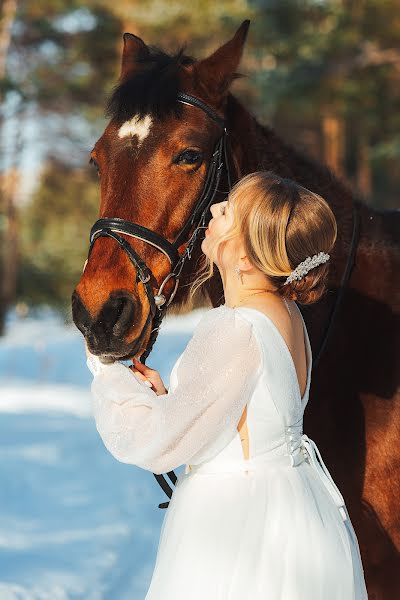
74	522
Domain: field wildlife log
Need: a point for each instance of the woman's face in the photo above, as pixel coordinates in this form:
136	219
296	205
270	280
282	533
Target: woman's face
221	223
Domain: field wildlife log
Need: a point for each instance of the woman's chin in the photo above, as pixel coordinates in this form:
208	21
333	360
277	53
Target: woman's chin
203	247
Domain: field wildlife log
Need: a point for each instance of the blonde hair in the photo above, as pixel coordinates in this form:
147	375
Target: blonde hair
281	223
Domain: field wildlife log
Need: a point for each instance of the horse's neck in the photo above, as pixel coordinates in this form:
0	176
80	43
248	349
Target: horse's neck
257	147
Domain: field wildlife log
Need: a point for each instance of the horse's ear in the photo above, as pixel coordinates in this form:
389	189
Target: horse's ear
134	49
217	71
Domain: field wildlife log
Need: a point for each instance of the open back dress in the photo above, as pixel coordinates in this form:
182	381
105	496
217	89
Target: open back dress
271	525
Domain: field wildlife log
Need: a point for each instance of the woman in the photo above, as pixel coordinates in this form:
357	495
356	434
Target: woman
255	515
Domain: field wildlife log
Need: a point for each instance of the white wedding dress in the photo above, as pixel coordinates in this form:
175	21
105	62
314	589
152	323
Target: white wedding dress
273	526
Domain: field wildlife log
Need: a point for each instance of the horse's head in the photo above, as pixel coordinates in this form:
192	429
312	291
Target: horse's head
154	160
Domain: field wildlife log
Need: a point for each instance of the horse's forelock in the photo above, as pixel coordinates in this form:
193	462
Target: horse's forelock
151	88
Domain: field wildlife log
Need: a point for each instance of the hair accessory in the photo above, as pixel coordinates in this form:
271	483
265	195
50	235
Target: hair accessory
309	263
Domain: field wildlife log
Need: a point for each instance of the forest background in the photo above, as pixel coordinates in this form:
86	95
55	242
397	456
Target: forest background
324	74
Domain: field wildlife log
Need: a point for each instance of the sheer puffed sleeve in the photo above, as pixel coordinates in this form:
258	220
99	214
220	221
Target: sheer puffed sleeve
198	417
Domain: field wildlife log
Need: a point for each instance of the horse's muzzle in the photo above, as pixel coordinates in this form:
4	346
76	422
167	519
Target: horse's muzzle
106	332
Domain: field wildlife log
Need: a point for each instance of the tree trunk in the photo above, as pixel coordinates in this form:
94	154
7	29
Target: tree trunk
364	174
9	250
8	188
333	142
8	12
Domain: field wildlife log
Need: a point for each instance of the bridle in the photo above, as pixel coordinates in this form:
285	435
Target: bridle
113	226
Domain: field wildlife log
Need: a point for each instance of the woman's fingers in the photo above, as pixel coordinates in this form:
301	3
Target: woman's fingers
150	375
142	368
141	376
138	373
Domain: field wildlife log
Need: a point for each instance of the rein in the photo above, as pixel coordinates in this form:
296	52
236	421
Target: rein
355	236
113	227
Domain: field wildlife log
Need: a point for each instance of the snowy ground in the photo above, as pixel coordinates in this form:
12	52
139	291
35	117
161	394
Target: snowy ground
74	522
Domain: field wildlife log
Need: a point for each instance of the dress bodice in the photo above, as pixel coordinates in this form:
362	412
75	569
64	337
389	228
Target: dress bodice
275	409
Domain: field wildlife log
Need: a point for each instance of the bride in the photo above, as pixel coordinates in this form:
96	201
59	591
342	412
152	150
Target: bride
255	514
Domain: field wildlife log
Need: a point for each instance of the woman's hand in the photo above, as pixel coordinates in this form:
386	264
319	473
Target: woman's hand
145	373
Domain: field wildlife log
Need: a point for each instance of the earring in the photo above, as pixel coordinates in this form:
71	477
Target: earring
237	271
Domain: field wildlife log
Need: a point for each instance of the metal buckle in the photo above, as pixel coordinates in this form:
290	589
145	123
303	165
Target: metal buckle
168	277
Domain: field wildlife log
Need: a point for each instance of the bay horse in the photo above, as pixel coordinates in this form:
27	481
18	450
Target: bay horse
176	140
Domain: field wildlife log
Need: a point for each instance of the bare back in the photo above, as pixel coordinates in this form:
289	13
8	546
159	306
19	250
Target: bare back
290	326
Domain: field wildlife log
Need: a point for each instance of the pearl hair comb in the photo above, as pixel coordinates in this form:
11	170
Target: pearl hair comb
309	263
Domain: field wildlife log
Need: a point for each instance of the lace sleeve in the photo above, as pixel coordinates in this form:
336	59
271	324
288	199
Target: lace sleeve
216	375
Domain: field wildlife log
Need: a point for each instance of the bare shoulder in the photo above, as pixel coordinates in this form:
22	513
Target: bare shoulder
290	325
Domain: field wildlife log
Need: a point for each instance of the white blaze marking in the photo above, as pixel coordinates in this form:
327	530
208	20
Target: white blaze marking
136	126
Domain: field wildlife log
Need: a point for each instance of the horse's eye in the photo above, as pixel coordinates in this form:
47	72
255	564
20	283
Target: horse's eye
93	162
190	157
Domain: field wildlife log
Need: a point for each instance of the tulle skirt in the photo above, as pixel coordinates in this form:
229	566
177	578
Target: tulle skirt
270	533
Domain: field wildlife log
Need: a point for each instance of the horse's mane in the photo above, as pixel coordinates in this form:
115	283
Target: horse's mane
152	89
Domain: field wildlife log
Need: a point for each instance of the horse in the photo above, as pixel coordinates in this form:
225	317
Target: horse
176	139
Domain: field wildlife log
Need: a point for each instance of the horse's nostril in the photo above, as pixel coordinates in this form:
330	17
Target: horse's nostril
80	314
122	305
123	314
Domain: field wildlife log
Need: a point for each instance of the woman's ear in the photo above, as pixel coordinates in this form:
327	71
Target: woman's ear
245	264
